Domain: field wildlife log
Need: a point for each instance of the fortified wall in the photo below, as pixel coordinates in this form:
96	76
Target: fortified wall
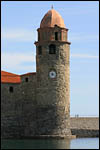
17	105
85	126
19	114
38	104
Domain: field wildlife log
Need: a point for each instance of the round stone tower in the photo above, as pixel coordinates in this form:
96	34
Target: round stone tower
53	76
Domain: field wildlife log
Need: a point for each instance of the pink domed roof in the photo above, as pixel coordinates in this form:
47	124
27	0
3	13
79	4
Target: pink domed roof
51	19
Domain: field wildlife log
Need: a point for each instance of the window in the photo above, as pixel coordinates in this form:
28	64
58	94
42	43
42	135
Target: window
11	89
26	79
38	36
39	50
56	36
52	49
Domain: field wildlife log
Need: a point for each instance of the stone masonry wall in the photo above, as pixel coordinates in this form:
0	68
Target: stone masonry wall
53	94
29	88
48	34
55	90
85	126
10	109
17	107
84	123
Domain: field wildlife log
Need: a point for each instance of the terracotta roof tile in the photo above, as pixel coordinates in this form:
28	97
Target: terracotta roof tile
7	77
52	18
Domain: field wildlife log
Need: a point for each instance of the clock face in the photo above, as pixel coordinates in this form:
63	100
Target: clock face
52	74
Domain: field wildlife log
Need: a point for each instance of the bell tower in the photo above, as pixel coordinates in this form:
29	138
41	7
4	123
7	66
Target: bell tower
53	76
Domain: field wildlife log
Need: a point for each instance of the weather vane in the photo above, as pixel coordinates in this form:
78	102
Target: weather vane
52	7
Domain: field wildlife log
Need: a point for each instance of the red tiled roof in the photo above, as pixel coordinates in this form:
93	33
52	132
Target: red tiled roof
51	18
7	77
29	73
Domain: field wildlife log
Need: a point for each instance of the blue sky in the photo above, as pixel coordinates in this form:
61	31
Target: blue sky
19	23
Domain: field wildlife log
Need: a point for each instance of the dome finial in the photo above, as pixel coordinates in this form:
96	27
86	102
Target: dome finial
52	7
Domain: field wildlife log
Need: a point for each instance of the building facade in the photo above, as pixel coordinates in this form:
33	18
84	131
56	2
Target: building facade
36	104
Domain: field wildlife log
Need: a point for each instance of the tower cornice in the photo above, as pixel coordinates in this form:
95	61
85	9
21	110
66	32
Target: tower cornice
53	42
52	28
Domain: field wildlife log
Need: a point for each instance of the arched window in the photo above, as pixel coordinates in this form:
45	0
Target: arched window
11	89
39	50
52	49
56	36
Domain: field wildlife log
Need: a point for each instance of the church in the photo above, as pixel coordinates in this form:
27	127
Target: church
38	103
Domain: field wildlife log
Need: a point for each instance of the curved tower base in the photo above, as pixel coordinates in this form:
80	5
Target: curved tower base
52	121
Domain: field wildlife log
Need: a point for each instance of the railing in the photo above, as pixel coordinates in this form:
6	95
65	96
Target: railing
77	115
